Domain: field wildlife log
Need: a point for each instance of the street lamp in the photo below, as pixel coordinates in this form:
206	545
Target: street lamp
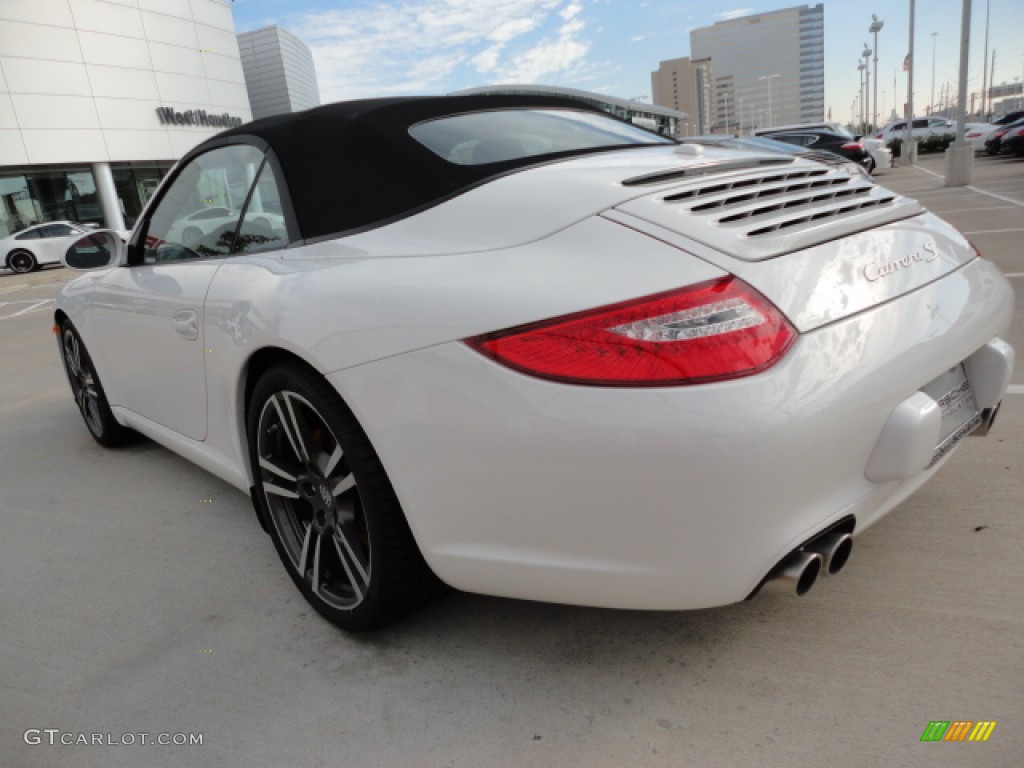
909	148
861	66
867	81
931	109
769	78
875	28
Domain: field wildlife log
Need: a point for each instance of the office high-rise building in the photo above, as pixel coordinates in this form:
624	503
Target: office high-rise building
279	72
685	85
769	68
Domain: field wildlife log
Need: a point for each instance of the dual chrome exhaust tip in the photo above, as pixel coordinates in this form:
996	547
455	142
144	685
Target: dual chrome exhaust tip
798	571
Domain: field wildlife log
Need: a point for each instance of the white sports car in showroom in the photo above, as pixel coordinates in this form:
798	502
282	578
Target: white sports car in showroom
521	347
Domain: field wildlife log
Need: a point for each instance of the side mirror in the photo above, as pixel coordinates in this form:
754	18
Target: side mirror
857	138
97	250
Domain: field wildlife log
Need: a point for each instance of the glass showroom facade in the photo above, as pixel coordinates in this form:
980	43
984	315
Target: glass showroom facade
98	99
56	193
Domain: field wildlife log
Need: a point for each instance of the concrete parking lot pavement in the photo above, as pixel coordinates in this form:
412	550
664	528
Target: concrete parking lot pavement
139	596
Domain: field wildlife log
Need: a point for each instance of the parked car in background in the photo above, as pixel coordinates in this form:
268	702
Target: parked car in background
29	248
980	133
1013	140
827	141
922	128
766	144
977	134
994	142
208	224
881	155
520	346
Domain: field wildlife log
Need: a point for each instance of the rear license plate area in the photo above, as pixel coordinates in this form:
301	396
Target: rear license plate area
960	412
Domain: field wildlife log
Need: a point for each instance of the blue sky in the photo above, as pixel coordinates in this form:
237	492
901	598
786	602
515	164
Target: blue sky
368	48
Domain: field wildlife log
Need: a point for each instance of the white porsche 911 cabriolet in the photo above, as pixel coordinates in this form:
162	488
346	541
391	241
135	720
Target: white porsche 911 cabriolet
521	347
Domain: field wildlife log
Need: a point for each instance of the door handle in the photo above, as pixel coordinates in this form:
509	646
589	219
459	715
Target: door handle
186	324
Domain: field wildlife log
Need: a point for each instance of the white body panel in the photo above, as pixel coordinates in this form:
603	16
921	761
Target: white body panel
668	497
630	498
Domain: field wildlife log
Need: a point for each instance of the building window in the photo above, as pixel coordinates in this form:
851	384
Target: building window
135	185
53	194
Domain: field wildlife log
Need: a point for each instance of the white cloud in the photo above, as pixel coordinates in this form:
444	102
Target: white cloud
637	39
571	11
564	55
545	59
408	46
735	14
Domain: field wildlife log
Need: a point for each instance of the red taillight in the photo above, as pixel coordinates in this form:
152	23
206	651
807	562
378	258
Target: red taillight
852	145
973	135
722	329
879	135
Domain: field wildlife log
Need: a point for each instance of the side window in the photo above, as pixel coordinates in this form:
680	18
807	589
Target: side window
788	138
213	185
57	230
920	124
900	127
31	234
263	227
211	213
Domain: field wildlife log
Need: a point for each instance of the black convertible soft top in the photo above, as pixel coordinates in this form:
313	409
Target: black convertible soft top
354	165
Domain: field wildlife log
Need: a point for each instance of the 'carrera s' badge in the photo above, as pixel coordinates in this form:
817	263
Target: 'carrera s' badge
927	252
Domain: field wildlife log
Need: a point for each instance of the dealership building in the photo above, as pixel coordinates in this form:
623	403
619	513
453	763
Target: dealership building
98	98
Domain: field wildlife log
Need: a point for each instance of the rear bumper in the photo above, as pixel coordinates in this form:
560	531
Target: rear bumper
667	498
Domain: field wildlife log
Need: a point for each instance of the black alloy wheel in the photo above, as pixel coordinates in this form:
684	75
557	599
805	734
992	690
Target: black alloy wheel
330	509
88	392
22	262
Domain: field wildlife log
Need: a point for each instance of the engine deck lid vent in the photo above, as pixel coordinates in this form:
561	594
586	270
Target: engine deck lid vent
706	168
769	212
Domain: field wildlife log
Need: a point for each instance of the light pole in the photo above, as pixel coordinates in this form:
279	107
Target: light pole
909	149
932	107
960	155
861	66
875	28
867	87
769	78
984	67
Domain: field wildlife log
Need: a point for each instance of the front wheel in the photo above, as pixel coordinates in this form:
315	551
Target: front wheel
331	511
870	165
88	392
22	262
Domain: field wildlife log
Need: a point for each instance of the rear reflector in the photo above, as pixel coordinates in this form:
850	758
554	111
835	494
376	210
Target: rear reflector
721	329
852	145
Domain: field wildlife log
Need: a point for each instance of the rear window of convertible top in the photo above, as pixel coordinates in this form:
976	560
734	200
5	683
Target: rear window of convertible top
478	138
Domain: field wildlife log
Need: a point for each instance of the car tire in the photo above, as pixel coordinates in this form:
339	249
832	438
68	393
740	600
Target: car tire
869	166
328	504
88	392
22	262
191	236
